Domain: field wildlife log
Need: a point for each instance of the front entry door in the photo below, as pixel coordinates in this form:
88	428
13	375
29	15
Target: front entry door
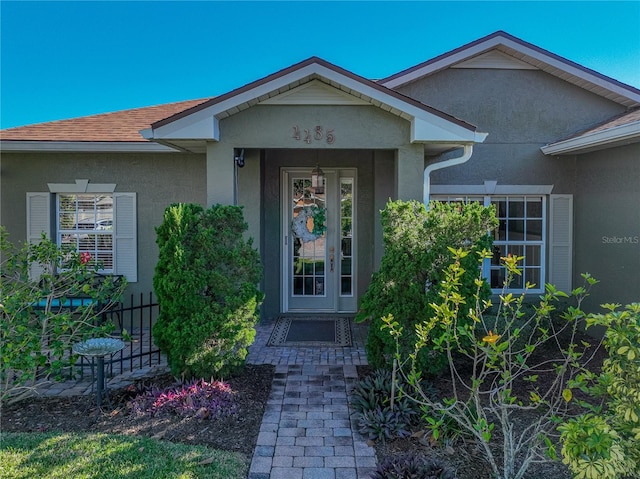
319	266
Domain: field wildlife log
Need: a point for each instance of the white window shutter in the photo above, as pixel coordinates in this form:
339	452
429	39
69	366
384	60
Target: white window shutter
125	255
561	242
38	222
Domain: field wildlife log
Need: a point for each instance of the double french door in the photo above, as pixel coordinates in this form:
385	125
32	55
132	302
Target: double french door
318	241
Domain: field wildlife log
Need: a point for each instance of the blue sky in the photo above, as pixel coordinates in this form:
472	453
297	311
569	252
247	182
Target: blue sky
66	59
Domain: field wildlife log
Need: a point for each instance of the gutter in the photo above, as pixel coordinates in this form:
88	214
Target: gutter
468	151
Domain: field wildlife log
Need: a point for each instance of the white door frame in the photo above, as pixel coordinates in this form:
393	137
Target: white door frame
339	304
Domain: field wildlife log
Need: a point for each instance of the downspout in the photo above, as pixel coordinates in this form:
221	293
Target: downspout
468	151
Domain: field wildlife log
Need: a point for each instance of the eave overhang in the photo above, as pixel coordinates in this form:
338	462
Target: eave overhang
83	146
202	122
530	54
598	140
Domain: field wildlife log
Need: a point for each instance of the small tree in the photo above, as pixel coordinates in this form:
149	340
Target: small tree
206	282
36	332
499	357
416	253
605	442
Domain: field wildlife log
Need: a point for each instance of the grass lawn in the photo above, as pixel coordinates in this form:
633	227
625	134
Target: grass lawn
108	456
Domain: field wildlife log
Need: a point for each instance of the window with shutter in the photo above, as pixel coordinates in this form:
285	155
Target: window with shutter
102	224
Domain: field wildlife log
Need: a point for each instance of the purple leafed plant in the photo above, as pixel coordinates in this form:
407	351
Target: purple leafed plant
197	398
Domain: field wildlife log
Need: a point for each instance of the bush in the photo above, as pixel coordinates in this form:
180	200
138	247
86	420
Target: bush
35	340
381	411
499	401
205	400
416	253
412	467
606	443
206	282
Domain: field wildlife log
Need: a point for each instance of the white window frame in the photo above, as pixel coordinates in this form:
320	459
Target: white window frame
41	209
77	231
491	190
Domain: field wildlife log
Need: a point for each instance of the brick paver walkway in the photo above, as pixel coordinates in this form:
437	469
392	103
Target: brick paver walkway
306	431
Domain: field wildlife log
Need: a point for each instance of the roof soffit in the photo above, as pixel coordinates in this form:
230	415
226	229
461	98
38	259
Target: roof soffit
525	53
312	82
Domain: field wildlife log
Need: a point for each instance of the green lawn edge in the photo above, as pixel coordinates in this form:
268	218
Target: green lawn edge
112	456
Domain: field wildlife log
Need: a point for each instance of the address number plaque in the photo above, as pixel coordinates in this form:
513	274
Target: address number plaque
310	135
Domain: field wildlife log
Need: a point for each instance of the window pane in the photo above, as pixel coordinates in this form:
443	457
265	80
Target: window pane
516	230
308	268
308	286
515	250
534	208
533	255
346	246
498	252
516	208
534	230
319	286
497	278
346	266
502	231
532	275
345	285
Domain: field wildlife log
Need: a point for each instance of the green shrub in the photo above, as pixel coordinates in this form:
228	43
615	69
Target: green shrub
606	443
206	282
408	466
416	253
496	398
36	334
381	410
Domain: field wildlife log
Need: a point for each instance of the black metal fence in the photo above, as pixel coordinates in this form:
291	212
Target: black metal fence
134	320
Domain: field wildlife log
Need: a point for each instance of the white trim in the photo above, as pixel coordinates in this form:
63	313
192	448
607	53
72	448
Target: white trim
84	146
425	126
314	93
81	186
556	66
490	187
599	139
495	60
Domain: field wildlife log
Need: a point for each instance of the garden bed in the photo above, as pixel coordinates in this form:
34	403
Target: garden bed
237	432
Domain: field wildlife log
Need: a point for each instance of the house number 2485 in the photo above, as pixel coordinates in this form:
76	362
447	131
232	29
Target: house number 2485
316	134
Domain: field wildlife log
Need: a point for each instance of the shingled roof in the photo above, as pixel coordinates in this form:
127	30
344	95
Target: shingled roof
119	126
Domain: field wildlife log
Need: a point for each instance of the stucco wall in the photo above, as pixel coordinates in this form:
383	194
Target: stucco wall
159	179
607	223
521	110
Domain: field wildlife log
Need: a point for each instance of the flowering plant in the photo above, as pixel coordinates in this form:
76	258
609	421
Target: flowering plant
494	370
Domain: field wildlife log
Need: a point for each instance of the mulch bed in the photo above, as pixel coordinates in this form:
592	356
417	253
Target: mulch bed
236	433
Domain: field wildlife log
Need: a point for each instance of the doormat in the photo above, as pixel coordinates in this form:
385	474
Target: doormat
311	332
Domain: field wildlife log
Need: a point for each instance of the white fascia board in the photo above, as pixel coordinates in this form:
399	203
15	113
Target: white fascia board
470	52
597	139
442	63
83	146
198	125
430	130
490	188
204	122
